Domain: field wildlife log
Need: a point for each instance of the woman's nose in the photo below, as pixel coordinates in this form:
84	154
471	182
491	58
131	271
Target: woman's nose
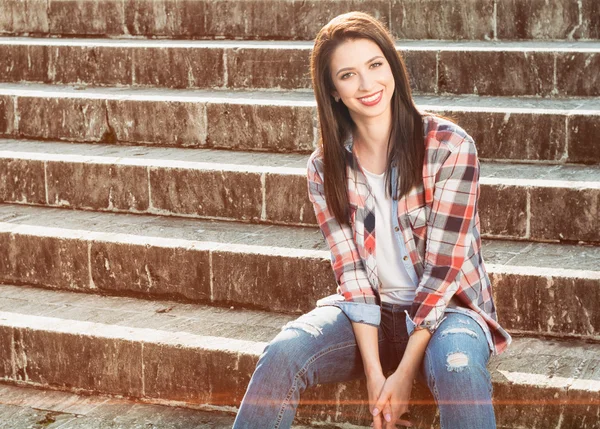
366	83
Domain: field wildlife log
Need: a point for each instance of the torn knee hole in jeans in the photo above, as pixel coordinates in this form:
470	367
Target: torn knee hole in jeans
459	331
303	326
457	361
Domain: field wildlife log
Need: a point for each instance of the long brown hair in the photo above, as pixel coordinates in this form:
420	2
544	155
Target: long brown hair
406	146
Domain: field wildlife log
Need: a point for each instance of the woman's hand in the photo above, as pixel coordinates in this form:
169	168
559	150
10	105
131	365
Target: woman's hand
375	383
393	399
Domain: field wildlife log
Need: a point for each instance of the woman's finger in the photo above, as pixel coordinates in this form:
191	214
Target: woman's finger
387	412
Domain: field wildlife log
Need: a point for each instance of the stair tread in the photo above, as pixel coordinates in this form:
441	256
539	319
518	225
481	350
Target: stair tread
405	44
509	104
528	361
506	173
22	407
579	261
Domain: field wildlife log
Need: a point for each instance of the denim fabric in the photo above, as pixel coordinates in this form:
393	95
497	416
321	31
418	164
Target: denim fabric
319	347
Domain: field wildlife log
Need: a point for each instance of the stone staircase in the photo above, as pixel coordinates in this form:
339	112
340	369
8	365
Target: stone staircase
155	227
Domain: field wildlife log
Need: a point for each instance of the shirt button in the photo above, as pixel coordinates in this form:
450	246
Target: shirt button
396	229
405	258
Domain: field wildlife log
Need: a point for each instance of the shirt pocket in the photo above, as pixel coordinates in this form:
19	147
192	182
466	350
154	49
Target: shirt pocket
418	221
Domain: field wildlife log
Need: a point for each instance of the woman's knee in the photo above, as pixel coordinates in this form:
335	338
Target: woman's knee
457	355
304	337
305	347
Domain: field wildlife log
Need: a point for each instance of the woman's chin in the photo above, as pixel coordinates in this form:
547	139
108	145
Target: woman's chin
369	112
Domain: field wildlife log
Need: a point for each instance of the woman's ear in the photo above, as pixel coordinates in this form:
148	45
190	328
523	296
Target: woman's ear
335	95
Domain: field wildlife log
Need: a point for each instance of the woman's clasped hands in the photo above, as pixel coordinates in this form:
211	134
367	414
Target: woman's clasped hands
388	399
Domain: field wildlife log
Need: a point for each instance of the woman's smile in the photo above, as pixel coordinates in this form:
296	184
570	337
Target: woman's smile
372	100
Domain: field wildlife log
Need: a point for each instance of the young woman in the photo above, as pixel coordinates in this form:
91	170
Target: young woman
395	193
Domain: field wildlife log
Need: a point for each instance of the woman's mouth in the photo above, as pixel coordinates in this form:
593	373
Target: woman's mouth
372	100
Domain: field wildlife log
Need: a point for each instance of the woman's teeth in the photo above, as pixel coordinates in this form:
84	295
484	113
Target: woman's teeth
371	98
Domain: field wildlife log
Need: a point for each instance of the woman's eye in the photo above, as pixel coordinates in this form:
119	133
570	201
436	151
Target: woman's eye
348	74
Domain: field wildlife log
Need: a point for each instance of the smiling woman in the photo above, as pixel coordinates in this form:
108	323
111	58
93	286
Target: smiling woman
395	195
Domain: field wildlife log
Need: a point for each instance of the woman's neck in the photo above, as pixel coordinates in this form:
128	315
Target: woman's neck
371	145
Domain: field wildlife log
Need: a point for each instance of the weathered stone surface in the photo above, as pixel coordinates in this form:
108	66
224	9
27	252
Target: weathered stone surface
590	11
174	67
287	125
215	376
583	138
7	115
163	17
503	211
62	118
22	181
518	136
309	16
550	364
90	65
235	19
554	304
151	270
538	19
109	365
23	16
514	73
433	67
270	282
577	73
220	194
192	365
287	199
23	63
422	70
24	407
565	214
98	186
260	127
77	17
300	19
6	352
44	261
251	68
439	19
166	123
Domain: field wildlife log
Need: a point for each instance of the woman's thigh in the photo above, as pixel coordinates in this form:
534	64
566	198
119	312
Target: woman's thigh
321	347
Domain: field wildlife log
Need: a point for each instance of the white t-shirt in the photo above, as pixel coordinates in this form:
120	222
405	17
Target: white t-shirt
396	285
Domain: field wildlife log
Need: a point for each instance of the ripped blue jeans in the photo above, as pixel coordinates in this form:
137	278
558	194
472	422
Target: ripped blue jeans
320	347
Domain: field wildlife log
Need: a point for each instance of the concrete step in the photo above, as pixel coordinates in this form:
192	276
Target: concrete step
534	68
539	289
301	19
534	202
166	351
27	407
504	128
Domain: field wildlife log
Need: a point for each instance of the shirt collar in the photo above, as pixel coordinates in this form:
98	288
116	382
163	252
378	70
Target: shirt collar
349	142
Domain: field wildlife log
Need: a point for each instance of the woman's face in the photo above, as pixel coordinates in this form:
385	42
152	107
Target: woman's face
362	78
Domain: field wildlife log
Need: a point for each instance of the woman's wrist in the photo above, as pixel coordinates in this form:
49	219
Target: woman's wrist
373	370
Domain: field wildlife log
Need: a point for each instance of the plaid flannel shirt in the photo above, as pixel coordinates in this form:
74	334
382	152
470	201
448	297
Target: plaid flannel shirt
437	224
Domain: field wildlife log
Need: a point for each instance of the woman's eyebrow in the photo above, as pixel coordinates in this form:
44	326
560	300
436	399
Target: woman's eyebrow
350	68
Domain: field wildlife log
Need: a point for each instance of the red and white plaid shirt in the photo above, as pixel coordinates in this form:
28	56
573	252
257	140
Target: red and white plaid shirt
439	224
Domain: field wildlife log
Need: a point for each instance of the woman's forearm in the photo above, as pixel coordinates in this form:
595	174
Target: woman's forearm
415	350
368	344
